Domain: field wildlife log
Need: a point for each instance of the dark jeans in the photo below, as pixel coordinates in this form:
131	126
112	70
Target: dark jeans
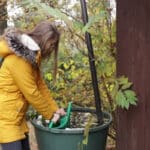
17	145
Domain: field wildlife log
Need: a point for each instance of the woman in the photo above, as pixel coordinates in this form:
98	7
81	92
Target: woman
21	83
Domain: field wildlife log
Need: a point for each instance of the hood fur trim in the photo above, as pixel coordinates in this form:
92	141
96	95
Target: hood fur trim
29	42
13	38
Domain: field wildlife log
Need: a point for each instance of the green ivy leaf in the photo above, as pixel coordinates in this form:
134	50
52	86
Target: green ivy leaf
126	86
130	93
131	96
120	99
126	104
122	80
126	98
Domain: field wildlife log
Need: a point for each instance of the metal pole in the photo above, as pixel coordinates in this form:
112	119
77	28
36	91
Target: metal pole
92	64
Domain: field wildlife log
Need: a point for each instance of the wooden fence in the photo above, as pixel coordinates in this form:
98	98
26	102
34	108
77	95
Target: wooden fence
133	60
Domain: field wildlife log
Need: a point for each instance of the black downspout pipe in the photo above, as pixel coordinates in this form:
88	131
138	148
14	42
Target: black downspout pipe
92	64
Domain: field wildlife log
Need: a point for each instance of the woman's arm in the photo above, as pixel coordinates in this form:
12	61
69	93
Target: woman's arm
22	73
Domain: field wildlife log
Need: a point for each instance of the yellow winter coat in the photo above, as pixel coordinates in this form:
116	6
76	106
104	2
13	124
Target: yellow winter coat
20	85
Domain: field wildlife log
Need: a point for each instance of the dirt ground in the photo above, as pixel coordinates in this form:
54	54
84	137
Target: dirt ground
32	138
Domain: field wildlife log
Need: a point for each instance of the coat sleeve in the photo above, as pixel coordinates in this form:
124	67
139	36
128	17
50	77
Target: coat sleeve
23	75
46	93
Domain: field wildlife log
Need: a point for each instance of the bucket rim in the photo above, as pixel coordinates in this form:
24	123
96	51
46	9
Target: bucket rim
76	130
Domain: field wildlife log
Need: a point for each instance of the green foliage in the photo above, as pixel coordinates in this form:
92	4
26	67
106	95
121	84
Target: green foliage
124	99
73	83
93	19
124	95
73	78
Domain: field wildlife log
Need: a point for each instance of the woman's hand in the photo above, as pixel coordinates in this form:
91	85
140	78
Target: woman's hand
60	112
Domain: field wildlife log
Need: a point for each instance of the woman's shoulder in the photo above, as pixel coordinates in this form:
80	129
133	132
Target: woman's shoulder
2	40
13	60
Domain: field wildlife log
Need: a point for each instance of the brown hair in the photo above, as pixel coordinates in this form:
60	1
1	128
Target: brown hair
47	37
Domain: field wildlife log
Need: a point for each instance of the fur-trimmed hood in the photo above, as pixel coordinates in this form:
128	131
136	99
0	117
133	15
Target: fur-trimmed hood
21	44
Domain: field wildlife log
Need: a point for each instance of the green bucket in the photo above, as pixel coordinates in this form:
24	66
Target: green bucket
63	139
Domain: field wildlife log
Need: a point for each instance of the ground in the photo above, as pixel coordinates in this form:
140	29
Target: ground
32	138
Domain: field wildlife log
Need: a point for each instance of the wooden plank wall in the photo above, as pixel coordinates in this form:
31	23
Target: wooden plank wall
133	60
